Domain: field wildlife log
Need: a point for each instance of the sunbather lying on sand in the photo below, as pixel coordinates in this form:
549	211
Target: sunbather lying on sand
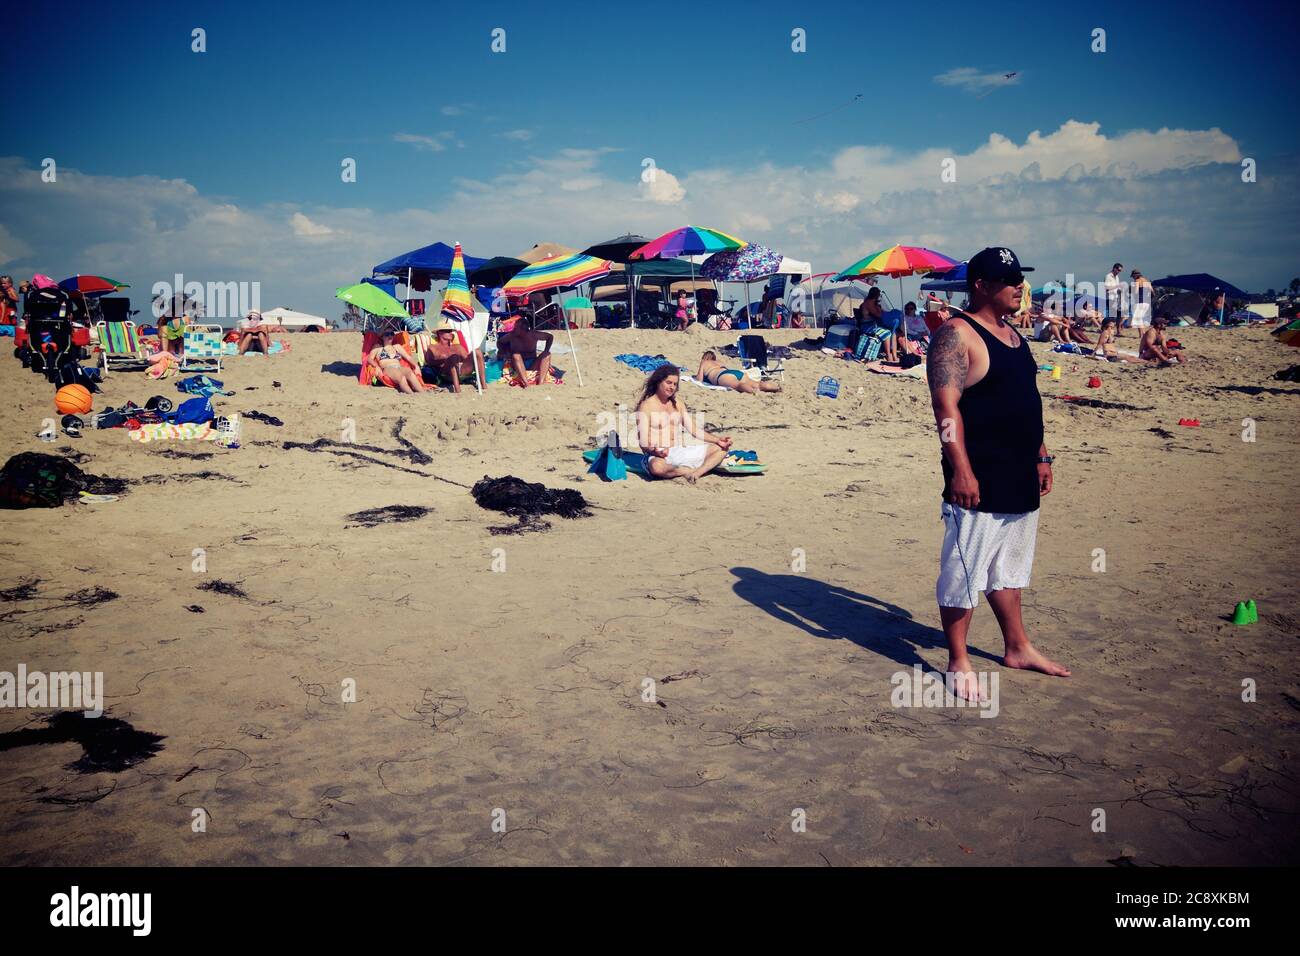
448	358
715	373
1155	350
661	418
396	363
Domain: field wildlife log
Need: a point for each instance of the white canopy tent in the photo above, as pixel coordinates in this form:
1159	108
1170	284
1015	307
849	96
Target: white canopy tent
293	320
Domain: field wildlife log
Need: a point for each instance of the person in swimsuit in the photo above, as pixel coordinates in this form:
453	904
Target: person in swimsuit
1106	344
713	372
396	362
1155	350
995	466
254	332
661	417
448	358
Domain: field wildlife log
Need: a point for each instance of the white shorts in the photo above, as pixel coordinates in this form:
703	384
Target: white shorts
687	456
983	551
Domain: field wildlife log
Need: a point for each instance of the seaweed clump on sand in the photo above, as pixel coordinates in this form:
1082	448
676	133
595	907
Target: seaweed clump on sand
389	514
527	502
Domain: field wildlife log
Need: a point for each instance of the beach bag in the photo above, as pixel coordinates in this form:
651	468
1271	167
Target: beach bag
840	337
192	410
828	387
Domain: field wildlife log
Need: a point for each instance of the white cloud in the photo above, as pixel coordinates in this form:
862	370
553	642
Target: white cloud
519	135
304	228
1068	199
429	144
973	81
451	111
663	187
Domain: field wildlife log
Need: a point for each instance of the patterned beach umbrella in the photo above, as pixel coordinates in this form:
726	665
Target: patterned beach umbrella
560	273
747	264
898	261
456	302
688	241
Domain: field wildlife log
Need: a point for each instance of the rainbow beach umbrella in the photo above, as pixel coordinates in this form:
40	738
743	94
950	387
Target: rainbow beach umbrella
91	285
688	241
898	261
563	272
456	303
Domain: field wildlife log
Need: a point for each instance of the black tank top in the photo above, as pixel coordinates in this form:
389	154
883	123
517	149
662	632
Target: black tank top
1003	416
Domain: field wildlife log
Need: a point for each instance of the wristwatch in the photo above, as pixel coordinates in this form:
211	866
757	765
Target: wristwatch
1046	459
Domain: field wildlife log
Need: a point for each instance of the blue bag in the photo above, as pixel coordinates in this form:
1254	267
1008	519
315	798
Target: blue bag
192	410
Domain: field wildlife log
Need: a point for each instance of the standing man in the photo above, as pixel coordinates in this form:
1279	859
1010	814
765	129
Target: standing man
995	465
1115	296
1143	297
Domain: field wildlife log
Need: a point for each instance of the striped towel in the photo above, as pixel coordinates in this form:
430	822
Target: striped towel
200	431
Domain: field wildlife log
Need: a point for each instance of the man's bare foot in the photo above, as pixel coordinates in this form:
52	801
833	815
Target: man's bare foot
1028	658
962	681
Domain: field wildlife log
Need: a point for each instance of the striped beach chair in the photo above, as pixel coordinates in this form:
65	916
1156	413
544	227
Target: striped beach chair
120	348
202	349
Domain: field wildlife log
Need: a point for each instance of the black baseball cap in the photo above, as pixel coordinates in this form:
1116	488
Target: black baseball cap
995	264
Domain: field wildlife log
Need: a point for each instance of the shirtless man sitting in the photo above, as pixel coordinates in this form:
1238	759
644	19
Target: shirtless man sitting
518	348
1155	350
661	417
449	359
713	372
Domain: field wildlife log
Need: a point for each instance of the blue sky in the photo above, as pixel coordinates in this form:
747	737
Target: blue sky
226	163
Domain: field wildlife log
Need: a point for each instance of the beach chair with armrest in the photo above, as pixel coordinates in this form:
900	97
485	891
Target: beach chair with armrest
202	348
120	348
753	354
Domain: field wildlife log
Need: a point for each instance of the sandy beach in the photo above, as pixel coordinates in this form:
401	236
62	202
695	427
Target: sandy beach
770	611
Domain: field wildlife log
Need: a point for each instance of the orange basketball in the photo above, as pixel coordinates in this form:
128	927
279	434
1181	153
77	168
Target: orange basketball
72	400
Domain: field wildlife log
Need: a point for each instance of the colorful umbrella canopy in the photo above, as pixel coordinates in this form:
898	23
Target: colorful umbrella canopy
372	299
559	273
898	261
1289	334
456	303
746	264
688	241
91	285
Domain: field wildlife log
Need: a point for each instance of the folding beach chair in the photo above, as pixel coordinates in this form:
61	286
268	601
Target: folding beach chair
203	348
120	348
753	354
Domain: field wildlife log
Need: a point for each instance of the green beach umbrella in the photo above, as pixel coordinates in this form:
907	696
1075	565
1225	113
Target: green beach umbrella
372	299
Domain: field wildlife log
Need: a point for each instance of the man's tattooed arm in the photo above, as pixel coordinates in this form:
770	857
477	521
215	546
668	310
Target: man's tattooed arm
947	363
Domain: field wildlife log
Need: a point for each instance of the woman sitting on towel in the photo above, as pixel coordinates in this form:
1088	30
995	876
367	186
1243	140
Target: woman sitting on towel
395	363
661	418
713	372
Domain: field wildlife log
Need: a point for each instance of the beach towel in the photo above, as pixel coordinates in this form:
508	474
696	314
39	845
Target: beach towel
555	377
189	431
695	381
277	347
642	363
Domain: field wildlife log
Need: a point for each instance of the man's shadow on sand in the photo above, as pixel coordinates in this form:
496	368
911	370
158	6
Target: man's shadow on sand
826	610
